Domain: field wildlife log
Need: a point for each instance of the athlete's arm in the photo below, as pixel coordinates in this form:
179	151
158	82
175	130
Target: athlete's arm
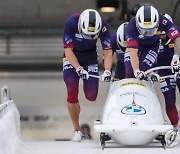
71	58
177	46
105	38
173	33
134	58
68	40
132	39
108	59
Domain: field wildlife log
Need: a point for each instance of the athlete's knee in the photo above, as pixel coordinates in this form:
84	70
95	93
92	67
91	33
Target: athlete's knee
91	95
72	94
92	99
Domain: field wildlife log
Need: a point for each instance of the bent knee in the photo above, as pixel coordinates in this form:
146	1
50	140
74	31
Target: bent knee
72	95
91	97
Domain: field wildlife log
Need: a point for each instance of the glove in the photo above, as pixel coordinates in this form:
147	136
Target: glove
106	76
139	74
175	64
83	74
177	75
154	77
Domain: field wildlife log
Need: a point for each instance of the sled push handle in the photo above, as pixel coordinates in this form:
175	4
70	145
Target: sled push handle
161	68
94	76
158	68
149	71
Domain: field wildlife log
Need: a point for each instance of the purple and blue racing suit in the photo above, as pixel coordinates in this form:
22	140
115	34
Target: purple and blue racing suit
85	51
148	46
168	85
119	50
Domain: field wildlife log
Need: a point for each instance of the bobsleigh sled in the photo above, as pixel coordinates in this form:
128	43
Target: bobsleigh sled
132	114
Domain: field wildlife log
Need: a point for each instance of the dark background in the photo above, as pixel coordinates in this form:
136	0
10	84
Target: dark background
31	30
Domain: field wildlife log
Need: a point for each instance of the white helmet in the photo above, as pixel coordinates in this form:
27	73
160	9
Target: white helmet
168	17
89	24
121	35
147	20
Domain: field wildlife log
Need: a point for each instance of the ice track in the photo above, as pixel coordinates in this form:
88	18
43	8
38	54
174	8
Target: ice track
11	141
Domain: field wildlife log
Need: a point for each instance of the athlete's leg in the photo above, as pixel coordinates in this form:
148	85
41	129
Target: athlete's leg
168	89
178	85
91	85
74	111
72	83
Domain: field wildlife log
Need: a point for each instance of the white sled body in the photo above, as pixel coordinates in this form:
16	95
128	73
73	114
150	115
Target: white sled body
132	113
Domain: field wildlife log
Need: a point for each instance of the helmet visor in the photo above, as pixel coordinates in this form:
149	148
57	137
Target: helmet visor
147	32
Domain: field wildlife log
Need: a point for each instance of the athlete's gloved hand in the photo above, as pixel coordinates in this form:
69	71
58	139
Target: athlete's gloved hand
106	76
83	74
139	74
175	64
177	75
154	77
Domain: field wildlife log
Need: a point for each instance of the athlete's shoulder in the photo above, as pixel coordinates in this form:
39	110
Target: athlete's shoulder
104	26
132	31
132	21
163	20
131	24
165	24
73	18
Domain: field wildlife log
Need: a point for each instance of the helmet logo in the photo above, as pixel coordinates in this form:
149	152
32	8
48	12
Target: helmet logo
91	29
147	23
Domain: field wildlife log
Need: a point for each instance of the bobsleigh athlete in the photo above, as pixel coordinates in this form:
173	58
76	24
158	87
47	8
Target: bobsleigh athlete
144	46
81	32
168	86
119	45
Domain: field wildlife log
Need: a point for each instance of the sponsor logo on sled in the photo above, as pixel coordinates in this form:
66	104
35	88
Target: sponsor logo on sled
132	83
133	109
